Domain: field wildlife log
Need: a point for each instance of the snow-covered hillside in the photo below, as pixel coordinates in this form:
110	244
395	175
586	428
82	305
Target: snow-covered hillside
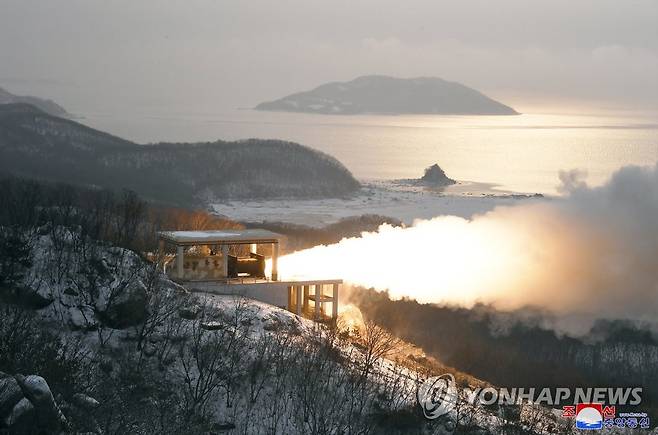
125	350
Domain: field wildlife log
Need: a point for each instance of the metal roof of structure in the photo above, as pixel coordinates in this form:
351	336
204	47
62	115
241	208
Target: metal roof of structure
220	237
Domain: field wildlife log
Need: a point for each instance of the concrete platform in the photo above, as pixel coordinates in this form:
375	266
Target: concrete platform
295	296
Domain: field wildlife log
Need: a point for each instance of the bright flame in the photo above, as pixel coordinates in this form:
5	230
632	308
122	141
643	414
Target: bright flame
590	254
350	319
446	258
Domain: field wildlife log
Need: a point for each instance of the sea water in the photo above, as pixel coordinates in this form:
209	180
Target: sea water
523	153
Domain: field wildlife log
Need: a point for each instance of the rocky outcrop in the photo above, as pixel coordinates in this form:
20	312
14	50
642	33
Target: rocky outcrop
27	405
435	176
103	288
127	309
81	410
10	394
36	297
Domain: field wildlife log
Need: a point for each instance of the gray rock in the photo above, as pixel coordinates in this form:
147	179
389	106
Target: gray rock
212	325
83	401
450	425
223	427
271	325
70	291
435	176
81	408
190	312
82	318
39	297
128	309
20	416
10	395
36	390
149	350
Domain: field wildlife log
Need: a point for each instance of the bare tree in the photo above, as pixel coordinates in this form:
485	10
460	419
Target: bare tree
378	344
200	360
213	359
162	303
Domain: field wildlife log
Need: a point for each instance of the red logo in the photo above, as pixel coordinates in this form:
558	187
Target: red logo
589	416
569	411
609	412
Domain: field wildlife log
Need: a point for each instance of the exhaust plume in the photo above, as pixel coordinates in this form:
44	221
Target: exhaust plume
592	253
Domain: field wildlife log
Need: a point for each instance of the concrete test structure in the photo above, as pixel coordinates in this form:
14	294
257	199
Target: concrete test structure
233	262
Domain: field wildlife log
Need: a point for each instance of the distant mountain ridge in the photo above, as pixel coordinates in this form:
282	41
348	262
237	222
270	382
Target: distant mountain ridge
34	144
47	106
377	94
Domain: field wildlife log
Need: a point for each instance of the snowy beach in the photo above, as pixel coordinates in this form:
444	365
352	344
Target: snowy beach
398	199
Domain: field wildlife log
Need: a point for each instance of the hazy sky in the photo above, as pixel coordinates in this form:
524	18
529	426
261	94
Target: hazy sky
208	55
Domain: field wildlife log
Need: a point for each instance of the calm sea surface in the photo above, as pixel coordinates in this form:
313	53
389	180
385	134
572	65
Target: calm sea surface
520	153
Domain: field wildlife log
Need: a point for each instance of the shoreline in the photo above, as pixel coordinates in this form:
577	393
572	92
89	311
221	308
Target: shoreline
397	199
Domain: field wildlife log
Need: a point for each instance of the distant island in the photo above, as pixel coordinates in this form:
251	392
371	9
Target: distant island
34	144
388	95
48	106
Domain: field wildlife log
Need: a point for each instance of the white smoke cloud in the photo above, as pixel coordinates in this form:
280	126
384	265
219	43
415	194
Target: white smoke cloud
590	254
572	180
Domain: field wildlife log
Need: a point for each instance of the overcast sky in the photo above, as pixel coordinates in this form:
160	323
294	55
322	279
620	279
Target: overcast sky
213	54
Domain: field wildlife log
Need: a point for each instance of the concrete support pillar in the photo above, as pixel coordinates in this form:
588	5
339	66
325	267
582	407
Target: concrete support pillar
161	255
334	304
318	297
275	261
321	299
253	248
307	290
180	252
225	261
290	289
298	294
